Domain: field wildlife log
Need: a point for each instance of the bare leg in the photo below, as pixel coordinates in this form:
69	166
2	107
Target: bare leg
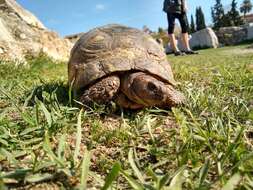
188	50
173	42
101	92
185	38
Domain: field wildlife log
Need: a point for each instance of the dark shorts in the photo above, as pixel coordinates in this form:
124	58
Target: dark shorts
182	20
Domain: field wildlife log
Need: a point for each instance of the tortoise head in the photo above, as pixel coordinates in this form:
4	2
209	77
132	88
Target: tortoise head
148	90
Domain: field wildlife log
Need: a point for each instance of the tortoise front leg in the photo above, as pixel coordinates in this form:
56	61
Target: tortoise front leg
101	92
124	102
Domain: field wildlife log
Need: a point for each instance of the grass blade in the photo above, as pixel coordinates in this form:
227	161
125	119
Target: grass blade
112	176
163	181
25	116
78	136
38	178
132	182
2	186
29	130
85	170
177	180
203	172
152	174
70	93
46	113
134	167
28	99
232	182
150	130
232	146
49	151
242	160
8	156
17	174
3	142
61	147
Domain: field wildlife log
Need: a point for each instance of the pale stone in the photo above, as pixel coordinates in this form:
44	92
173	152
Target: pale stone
250	32
205	38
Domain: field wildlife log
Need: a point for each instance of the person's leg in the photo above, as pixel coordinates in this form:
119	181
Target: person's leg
171	22
173	42
185	36
185	39
184	26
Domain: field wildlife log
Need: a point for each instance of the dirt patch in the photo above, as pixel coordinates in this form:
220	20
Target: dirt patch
41	186
109	139
250	47
250	67
3	104
240	51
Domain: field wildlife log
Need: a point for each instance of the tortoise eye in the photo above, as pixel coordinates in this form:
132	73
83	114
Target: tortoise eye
151	86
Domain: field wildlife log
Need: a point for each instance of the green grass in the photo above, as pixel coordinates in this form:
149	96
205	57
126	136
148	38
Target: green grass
205	144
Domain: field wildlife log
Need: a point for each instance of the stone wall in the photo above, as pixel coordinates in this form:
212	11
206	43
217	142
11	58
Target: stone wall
250	33
234	35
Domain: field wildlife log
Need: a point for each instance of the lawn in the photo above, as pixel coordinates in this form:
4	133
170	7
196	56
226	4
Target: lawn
47	141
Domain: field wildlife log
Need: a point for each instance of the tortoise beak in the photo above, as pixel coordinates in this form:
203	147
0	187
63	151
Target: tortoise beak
174	97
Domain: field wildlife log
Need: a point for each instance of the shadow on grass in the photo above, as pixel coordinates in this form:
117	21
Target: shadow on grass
49	93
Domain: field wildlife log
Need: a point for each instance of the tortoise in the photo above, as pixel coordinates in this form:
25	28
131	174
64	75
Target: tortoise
122	64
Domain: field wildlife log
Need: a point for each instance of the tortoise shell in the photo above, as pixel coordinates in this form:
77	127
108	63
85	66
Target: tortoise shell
116	48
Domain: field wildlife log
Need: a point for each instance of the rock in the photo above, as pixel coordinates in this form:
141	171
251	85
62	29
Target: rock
232	35
1	50
205	38
168	49
159	41
5	35
22	36
25	15
22	33
249	32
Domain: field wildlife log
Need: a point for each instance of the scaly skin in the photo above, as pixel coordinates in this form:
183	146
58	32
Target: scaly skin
133	91
148	91
101	92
